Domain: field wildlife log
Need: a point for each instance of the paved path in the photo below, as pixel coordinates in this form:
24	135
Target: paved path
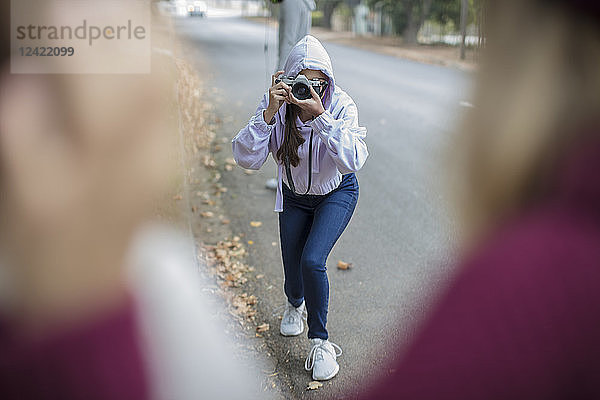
399	237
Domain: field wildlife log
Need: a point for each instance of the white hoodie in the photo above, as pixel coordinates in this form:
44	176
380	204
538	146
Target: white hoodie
338	143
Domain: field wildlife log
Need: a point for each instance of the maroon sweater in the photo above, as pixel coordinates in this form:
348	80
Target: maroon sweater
97	360
522	318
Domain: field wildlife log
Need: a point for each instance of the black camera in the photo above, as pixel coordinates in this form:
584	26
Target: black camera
301	86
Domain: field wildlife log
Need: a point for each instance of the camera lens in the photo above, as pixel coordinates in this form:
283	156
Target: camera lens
301	91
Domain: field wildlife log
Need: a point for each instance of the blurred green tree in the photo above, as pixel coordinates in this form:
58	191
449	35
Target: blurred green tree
407	15
327	7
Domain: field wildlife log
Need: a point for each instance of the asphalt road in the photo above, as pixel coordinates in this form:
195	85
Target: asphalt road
400	236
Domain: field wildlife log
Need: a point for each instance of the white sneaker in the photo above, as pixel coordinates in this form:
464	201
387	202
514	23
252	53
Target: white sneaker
292	322
321	359
271	184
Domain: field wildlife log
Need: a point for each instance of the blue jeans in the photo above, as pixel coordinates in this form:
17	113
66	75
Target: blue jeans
309	226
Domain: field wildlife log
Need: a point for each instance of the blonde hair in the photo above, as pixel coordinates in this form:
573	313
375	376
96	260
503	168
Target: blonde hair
538	87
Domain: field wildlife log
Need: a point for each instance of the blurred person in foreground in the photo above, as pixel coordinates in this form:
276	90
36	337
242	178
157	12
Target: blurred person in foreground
521	320
93	306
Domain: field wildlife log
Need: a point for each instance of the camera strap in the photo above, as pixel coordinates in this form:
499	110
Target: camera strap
288	170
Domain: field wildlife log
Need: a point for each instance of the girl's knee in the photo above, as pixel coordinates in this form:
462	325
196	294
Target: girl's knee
313	263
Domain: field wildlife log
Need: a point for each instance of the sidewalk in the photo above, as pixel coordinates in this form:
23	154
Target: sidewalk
447	56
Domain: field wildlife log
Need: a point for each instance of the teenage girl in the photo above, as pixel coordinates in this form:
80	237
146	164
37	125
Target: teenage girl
318	146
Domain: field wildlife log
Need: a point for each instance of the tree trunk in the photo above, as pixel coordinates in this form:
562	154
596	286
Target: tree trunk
464	7
417	14
328	9
412	26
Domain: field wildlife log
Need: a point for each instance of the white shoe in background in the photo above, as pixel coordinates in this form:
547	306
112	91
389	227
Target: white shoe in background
321	359
292	321
271	184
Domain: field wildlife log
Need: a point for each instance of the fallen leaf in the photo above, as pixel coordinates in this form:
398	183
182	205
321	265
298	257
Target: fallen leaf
177	197
343	265
207	214
262	327
230	161
255	224
251	242
260	276
273	244
225	221
314	385
209	162
228	167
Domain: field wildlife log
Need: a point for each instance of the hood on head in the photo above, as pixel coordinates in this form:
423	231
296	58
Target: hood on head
309	53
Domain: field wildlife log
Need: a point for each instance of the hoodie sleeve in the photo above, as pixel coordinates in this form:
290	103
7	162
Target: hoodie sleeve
343	137
251	146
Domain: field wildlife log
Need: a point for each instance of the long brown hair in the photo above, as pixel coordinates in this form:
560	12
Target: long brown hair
292	138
